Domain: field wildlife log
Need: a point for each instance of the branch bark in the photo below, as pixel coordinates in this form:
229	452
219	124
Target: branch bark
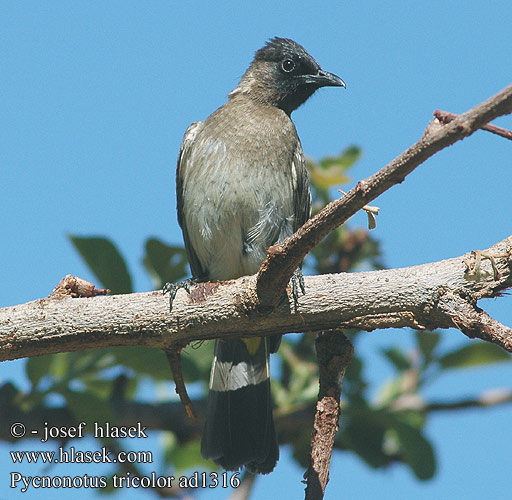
419	297
283	259
447	117
334	352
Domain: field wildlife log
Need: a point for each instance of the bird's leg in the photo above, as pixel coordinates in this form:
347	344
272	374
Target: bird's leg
297	282
172	289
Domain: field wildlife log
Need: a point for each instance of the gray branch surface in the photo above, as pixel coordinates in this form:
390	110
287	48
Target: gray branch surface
335	353
429	296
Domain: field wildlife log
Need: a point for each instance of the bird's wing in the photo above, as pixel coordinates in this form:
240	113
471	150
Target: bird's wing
183	158
302	191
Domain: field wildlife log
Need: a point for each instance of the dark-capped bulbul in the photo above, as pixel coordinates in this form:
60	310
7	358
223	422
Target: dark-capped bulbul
242	186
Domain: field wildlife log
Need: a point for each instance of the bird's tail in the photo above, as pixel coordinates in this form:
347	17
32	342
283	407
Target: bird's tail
239	428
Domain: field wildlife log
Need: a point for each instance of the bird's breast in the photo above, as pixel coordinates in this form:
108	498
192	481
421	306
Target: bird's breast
238	197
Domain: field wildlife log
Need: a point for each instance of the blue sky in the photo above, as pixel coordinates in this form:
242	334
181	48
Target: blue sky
95	98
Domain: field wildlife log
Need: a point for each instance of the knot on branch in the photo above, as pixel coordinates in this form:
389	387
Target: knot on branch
77	287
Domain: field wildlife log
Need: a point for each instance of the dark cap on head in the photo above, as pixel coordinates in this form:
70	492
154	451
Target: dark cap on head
285	75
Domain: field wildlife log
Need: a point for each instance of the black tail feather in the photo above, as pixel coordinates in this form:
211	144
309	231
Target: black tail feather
239	429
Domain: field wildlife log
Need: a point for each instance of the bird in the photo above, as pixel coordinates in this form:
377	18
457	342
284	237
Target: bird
242	186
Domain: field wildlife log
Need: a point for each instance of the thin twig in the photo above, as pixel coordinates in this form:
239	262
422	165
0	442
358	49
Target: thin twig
371	212
173	356
282	260
494	397
334	353
447	117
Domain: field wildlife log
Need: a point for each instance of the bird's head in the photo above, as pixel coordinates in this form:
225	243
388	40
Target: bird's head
284	75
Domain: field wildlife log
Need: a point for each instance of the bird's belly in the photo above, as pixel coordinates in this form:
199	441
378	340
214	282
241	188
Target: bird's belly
232	219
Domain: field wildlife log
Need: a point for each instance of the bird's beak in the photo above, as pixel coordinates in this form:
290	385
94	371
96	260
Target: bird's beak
325	79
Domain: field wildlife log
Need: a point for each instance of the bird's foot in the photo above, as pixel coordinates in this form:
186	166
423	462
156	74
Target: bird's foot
297	282
172	289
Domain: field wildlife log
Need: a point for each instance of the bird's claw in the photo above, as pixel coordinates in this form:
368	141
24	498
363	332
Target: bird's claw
172	289
297	283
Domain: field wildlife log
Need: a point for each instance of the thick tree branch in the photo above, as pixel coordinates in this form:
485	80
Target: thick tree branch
416	297
283	259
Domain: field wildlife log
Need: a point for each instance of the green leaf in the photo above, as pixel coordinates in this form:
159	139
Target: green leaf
109	489
345	160
391	390
105	261
37	367
427	342
330	171
474	354
170	445
68	366
415	418
397	358
103	388
88	407
301	446
88	361
364	434
354	385
60	366
371	434
196	361
165	263
8	393
326	178
416	449
143	361
188	456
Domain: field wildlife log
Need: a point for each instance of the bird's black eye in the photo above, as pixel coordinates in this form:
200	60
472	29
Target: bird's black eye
288	65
